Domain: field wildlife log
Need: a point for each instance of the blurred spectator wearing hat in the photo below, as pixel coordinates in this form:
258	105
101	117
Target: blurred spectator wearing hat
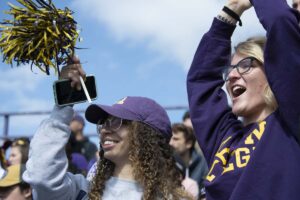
136	160
78	142
12	186
80	150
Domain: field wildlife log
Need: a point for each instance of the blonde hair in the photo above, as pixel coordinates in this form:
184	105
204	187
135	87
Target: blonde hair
254	46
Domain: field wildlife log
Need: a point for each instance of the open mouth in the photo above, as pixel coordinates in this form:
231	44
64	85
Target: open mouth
109	142
237	90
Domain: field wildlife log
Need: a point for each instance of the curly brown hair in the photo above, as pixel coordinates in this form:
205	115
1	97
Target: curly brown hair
153	166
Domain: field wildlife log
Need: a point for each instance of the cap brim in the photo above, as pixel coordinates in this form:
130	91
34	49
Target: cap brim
8	183
12	177
95	113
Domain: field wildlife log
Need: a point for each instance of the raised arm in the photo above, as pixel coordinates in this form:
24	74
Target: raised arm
46	169
282	58
207	100
209	108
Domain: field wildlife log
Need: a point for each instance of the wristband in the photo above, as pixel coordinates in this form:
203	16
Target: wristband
227	21
232	14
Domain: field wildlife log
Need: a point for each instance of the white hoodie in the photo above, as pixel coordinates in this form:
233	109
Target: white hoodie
46	169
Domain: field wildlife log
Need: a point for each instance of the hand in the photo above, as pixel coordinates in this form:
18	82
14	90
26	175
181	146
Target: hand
239	6
73	71
191	187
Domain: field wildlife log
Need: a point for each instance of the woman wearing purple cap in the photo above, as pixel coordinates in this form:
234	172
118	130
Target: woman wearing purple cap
257	157
136	161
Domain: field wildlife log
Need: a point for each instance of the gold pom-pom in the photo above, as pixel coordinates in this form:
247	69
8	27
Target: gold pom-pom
39	34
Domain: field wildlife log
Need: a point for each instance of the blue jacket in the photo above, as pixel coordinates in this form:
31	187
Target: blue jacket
197	167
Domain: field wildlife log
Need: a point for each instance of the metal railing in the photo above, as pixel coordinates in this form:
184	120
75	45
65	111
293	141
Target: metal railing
7	115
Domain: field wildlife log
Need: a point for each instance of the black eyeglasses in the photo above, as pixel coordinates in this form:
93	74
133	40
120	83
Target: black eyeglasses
242	67
112	123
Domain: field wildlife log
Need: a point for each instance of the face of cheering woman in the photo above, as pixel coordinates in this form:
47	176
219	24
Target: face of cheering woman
246	84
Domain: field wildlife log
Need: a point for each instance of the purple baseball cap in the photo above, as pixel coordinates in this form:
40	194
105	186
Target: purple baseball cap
139	109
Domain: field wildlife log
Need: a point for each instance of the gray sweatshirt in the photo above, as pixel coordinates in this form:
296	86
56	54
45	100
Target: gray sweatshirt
46	169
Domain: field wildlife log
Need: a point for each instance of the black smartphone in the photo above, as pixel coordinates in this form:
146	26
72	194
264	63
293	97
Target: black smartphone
64	94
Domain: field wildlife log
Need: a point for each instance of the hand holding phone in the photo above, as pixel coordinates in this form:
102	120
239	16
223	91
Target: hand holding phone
73	71
64	94
68	90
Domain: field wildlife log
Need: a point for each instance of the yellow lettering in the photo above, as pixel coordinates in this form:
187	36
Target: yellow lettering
121	101
249	140
257	133
221	156
228	169
230	166
242	161
210	177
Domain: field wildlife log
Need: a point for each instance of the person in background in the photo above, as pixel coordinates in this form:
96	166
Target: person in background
19	151
12	186
3	163
77	163
252	147
186	119
5	145
191	164
78	142
296	4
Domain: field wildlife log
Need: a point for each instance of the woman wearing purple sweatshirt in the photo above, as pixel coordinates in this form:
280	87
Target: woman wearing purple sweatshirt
257	157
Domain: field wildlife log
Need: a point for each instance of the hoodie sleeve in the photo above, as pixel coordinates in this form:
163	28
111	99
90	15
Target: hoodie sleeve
46	169
282	58
210	113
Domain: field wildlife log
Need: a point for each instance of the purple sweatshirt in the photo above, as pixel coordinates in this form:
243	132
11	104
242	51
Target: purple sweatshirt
260	160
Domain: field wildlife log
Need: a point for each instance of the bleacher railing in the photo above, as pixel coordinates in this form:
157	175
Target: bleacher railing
7	115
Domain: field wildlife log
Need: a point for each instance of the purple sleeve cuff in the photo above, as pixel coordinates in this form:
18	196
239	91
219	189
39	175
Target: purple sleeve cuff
221	29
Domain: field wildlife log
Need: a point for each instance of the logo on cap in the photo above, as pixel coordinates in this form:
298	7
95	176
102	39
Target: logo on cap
122	101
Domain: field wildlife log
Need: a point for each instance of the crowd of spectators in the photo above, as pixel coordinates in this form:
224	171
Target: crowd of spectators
178	154
83	154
